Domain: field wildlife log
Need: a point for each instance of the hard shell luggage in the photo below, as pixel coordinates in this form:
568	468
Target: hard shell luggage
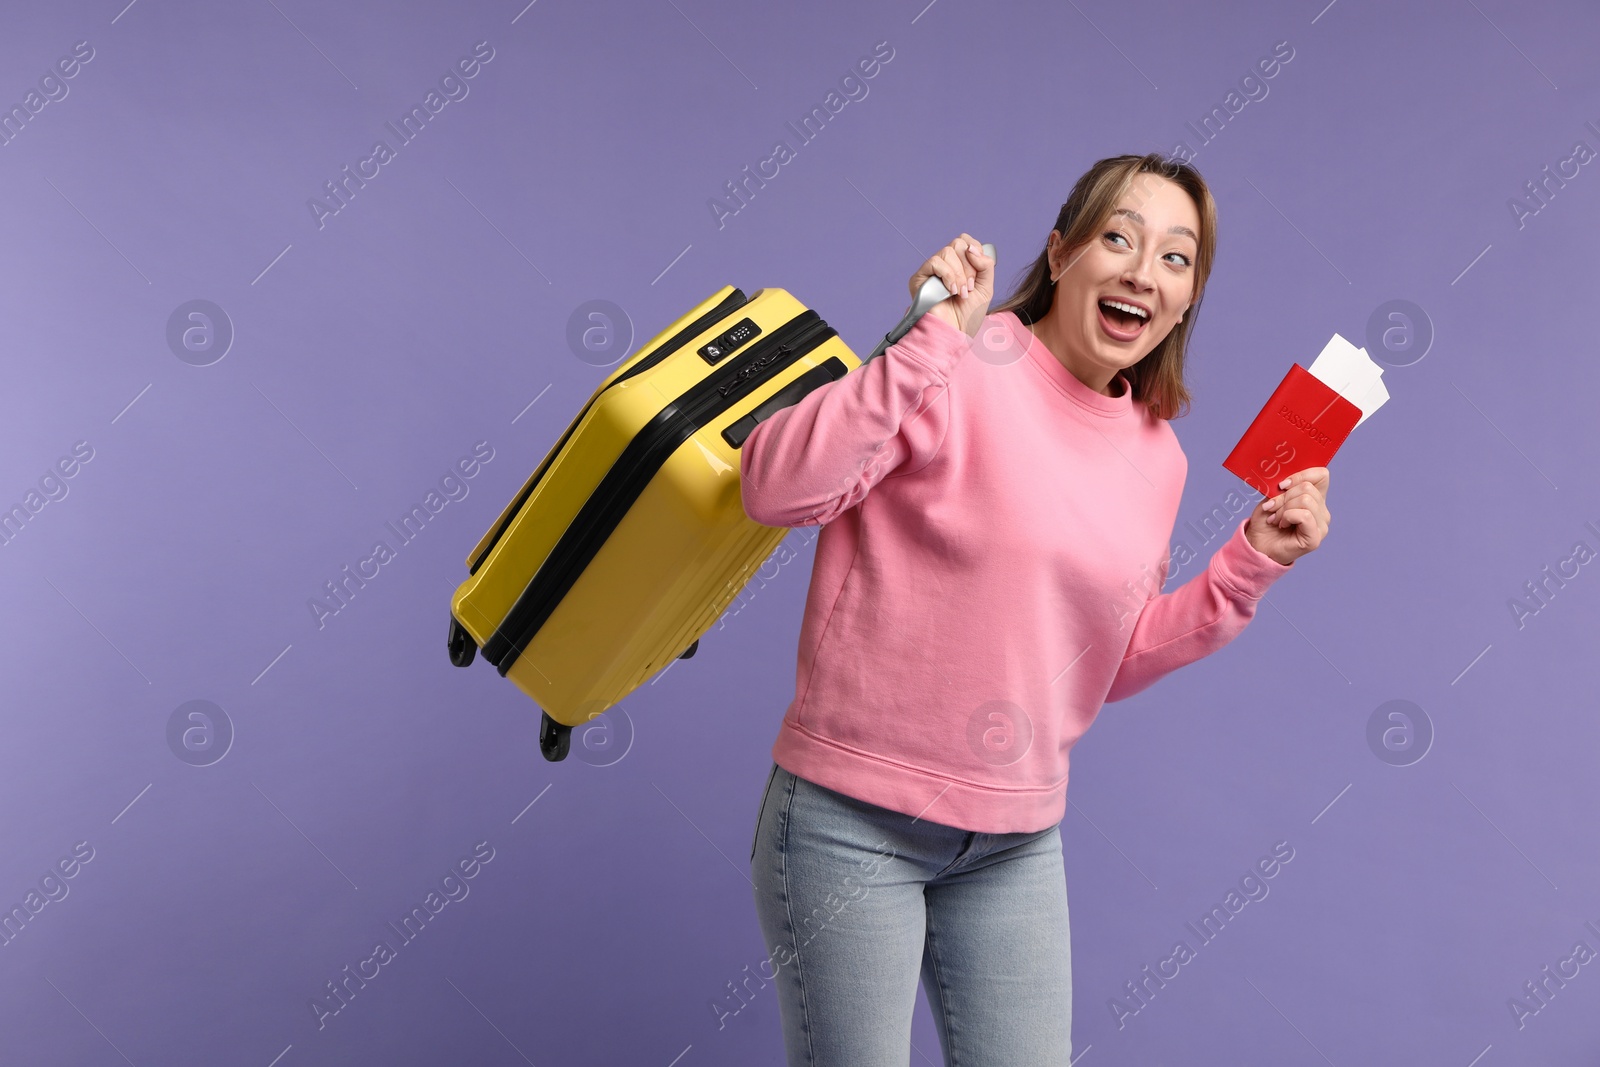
630	539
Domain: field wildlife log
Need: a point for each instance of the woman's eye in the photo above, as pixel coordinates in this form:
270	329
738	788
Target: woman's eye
1119	235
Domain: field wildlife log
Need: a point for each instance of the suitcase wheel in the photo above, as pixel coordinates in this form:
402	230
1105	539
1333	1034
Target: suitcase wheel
690	651
462	647
553	738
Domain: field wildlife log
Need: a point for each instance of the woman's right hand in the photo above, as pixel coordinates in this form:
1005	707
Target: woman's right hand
968	274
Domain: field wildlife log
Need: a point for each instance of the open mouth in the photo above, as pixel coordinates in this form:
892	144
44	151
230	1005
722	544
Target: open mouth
1122	321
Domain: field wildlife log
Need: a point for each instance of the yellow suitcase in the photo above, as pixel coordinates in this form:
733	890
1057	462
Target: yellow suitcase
630	539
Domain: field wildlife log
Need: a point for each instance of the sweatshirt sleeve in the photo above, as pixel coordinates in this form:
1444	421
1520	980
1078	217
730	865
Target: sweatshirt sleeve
1202	615
808	463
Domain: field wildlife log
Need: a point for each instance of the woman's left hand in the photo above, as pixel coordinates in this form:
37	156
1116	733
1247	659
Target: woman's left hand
1287	526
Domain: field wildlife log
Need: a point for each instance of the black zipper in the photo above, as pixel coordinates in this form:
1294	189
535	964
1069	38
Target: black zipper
633	471
731	303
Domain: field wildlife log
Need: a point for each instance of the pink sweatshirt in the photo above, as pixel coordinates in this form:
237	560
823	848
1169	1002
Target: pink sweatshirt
995	538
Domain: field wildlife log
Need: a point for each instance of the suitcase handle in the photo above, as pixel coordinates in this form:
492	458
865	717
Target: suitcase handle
830	370
931	293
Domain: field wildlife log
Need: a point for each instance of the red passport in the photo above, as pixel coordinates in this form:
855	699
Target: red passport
1302	425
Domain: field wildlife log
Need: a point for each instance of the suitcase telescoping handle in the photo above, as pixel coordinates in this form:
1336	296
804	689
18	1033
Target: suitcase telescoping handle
931	293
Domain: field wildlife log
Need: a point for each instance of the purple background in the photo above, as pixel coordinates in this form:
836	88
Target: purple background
432	311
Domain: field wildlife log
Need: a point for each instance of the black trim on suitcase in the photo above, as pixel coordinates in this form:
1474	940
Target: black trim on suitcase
831	370
731	303
633	471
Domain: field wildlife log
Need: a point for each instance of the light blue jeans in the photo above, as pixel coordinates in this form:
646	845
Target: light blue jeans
855	901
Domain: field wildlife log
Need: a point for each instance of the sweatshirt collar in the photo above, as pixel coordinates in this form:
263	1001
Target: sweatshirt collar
1064	380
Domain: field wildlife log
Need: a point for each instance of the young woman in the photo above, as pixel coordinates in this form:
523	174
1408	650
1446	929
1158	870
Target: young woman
997	492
